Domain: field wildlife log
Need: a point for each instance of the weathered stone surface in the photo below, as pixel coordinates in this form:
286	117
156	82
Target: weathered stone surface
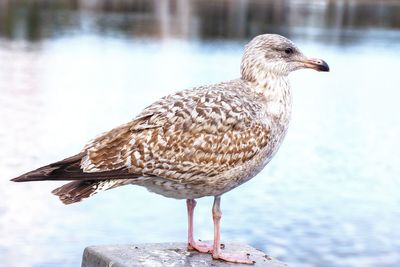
167	254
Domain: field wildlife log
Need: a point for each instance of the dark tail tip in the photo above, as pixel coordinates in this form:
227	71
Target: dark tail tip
36	175
61	170
22	178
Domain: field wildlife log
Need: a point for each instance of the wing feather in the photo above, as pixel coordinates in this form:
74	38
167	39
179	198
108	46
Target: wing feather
184	137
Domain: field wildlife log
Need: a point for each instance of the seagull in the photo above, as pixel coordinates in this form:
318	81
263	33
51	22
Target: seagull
199	142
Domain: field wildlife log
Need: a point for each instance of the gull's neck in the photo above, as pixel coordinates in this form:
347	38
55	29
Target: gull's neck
277	92
272	85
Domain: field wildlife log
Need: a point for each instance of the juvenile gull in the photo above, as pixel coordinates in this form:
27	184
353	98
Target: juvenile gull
199	142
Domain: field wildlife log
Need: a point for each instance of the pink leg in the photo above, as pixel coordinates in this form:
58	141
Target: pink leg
217	253
192	245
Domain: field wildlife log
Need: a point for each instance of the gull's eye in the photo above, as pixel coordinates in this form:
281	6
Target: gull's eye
289	51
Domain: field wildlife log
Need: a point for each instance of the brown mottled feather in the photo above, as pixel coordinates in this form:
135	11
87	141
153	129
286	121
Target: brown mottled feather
78	190
186	136
75	191
199	142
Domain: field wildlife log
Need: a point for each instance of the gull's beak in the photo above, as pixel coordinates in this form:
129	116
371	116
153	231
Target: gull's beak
316	64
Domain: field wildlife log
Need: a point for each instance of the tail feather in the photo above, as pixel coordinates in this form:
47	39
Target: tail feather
70	169
78	190
83	185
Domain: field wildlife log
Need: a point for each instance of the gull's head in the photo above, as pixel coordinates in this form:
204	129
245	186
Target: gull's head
273	54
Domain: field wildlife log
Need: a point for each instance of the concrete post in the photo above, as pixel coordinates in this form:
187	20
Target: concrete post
167	254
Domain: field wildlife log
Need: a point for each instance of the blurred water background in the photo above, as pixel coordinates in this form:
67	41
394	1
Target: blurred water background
70	70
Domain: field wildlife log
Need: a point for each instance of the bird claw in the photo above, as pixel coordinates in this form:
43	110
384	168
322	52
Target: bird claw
234	258
201	247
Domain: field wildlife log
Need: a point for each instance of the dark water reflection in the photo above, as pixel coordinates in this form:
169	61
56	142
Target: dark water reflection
329	21
72	69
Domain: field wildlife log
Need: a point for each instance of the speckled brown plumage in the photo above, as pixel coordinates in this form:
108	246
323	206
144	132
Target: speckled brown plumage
202	141
199	142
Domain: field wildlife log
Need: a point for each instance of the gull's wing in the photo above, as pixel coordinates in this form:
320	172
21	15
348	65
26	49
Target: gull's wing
191	134
186	136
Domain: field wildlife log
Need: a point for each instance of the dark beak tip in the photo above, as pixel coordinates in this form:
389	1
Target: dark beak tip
323	66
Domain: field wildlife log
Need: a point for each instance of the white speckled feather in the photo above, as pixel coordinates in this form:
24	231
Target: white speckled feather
201	141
